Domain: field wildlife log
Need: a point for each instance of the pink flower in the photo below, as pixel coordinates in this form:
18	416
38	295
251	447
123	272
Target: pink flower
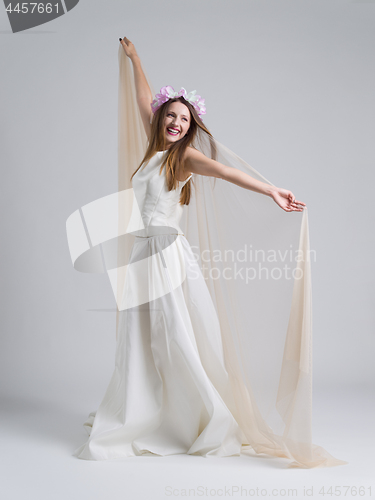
168	92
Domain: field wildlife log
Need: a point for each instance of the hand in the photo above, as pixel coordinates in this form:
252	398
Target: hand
128	48
286	200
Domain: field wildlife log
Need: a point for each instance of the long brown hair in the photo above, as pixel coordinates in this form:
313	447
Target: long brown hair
174	159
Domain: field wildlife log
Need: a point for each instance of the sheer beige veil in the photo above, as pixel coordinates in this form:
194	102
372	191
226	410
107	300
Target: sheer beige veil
256	261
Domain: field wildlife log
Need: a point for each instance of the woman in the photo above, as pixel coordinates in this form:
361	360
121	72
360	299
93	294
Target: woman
179	385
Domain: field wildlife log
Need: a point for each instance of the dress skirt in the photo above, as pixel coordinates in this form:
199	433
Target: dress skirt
169	392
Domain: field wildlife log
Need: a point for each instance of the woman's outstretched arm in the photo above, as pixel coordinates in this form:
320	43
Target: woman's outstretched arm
144	95
197	163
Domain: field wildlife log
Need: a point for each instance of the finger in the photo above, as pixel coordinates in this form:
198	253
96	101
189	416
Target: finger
294	206
297	207
299	203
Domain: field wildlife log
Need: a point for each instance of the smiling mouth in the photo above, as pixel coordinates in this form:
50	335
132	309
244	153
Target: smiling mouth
173	131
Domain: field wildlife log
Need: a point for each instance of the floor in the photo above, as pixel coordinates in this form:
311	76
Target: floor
38	438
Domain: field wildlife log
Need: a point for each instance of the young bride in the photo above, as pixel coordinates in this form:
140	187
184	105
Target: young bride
178	384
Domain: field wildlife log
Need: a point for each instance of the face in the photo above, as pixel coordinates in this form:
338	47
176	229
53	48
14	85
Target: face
176	123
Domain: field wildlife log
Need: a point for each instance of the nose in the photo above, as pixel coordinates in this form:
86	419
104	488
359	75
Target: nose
176	121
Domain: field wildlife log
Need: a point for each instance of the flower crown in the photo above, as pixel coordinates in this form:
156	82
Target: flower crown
168	92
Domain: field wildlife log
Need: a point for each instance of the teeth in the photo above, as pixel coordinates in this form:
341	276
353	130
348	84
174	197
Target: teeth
173	131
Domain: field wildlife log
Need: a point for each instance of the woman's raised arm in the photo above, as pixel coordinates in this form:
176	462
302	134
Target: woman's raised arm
197	163
144	95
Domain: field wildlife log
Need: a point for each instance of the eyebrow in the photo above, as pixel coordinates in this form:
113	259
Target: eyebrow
186	116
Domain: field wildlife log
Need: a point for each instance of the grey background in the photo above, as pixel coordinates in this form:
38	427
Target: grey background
289	86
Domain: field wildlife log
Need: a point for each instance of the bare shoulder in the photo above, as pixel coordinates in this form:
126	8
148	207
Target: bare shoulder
192	154
196	162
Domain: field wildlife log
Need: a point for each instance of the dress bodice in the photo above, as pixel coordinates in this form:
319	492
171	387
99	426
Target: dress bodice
158	206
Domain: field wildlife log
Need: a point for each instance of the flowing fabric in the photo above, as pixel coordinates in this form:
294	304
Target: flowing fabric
214	321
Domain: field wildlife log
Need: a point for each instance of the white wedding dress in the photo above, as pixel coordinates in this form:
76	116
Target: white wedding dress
170	392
